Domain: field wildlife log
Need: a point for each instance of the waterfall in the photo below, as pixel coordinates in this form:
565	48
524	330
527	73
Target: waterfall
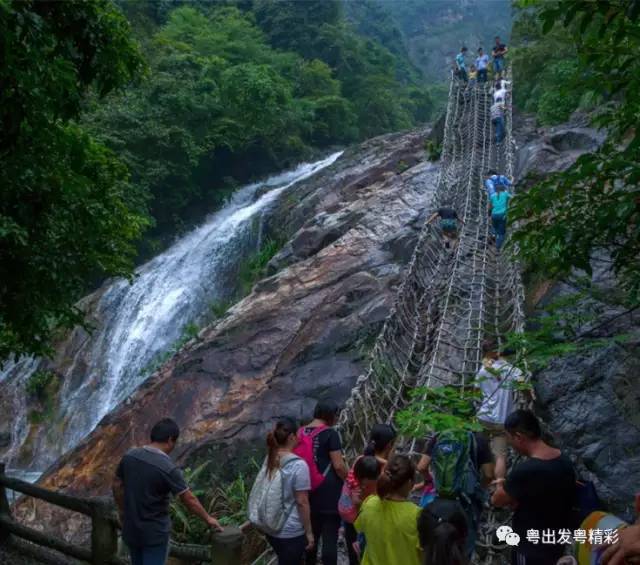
137	322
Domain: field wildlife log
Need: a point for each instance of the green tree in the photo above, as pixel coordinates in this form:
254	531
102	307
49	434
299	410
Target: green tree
595	205
294	26
66	215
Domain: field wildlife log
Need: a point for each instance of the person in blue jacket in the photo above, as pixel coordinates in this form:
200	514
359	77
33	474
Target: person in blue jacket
493	180
461	66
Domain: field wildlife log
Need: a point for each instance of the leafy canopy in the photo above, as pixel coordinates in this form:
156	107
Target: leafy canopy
594	207
65	213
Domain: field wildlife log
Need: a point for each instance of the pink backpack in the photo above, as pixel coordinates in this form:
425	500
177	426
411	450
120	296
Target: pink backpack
304	449
346	508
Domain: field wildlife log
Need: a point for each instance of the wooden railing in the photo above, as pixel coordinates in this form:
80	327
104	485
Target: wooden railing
225	547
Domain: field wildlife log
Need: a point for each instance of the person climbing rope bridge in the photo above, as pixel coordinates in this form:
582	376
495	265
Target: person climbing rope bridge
450	301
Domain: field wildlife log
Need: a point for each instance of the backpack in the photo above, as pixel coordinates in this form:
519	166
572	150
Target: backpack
267	506
585	501
453	461
304	450
346	508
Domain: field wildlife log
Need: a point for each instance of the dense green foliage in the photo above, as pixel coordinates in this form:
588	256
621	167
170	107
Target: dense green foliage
229	501
545	67
594	207
439	409
65	212
240	89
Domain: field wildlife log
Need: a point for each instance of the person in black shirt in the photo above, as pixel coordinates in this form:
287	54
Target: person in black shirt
327	454
145	478
541	489
448	223
498	52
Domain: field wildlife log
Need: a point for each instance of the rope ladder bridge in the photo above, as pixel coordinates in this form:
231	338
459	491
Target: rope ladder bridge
450	300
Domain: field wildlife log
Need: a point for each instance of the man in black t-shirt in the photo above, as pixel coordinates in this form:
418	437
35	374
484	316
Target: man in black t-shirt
541	490
327	455
144	481
498	52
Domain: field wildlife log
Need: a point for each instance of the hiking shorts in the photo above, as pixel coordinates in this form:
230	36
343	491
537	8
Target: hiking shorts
498	64
497	438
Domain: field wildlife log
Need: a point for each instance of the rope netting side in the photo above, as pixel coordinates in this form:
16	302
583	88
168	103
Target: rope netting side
450	299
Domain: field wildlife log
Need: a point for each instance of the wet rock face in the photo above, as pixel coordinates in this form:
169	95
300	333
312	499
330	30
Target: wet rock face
546	150
590	403
301	335
592	406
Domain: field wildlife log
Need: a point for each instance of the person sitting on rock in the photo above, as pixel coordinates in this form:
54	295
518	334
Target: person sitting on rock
144	479
448	223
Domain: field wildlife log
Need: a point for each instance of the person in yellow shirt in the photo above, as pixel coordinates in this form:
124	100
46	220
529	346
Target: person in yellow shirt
389	521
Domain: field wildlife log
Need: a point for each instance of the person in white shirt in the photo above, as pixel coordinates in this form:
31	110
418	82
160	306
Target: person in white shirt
482	63
500	90
495	379
497	119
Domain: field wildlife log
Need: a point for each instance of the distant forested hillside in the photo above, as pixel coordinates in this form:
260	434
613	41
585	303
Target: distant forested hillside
433	30
238	89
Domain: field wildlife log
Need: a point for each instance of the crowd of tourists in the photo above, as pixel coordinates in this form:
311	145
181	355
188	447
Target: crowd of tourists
389	508
498	186
479	69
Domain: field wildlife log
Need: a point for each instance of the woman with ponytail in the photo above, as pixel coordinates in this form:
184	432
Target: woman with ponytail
388	520
442	529
381	442
293	517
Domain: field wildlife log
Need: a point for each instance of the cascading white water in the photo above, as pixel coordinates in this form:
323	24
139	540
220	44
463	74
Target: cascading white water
140	321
